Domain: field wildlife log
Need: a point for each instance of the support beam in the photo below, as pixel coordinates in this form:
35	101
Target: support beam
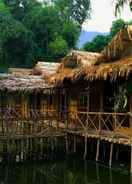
117	152
111	154
97	172
131	158
24	106
131	129
67	144
75	144
85	149
97	150
110	176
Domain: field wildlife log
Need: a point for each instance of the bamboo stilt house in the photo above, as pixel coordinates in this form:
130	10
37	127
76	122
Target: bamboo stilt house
87	94
26	90
99	82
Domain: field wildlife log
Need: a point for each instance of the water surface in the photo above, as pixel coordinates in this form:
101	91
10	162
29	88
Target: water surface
68	171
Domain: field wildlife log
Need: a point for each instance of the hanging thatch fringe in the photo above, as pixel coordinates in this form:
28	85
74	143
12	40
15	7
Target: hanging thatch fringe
113	62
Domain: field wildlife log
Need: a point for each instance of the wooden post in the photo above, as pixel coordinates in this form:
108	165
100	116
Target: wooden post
117	152
85	172
110	176
131	158
130	108
24	106
131	129
97	172
67	145
52	144
85	149
130	177
74	150
111	154
97	150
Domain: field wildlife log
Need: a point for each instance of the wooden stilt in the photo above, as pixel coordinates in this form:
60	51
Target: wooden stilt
67	144
104	151
117	153
131	159
85	172
130	177
97	172
97	151
110	176
52	145
56	143
85	149
111	154
74	144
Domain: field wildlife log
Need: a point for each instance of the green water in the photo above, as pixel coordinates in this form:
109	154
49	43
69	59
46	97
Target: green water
68	171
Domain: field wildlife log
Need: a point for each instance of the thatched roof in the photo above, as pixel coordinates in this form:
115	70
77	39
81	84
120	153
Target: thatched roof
113	62
111	70
31	83
20	71
72	64
45	68
120	46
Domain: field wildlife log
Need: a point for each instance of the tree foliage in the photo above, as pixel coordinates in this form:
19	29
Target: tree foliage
76	10
97	44
100	41
116	26
58	47
19	8
16	42
30	30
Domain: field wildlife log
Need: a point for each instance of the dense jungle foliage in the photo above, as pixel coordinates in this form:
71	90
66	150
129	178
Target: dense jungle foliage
31	30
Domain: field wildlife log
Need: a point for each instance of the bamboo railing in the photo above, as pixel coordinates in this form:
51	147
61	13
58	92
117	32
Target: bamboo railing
36	122
100	124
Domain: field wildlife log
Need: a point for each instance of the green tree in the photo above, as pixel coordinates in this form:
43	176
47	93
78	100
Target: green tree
48	30
46	23
77	10
19	8
97	44
116	26
58	48
100	41
16	42
70	32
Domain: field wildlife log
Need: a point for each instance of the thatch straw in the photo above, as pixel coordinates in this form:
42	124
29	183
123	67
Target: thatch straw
120	46
113	62
45	68
121	68
20	71
23	84
72	64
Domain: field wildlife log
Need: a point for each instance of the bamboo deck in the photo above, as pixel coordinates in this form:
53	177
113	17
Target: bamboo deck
113	128
105	126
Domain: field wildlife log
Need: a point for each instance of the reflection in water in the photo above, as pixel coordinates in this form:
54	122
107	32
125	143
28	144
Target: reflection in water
68	172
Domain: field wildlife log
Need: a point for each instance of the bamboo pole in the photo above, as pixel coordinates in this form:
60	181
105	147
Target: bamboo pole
111	154
131	129
67	144
75	144
131	158
85	147
97	150
117	152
